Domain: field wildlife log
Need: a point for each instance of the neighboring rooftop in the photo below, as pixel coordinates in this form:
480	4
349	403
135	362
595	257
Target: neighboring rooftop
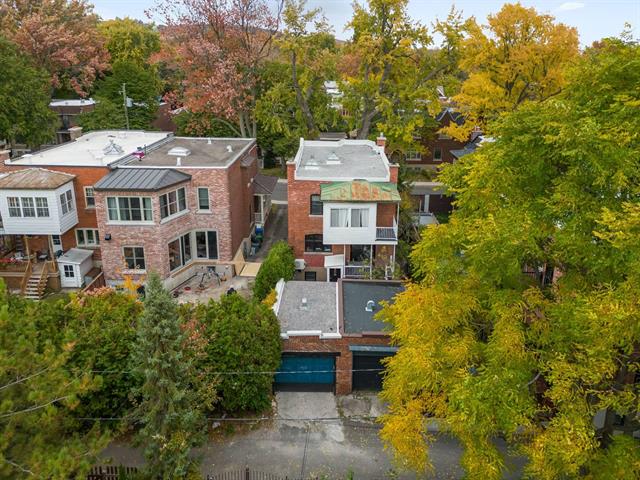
477	139
34	179
94	149
73	102
428	188
318	316
342	160
264	184
75	256
195	152
359	191
141	179
355	296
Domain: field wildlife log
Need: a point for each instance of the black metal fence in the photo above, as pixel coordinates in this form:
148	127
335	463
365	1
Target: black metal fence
248	474
110	472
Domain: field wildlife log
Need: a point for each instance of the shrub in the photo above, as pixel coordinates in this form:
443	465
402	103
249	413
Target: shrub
280	263
244	336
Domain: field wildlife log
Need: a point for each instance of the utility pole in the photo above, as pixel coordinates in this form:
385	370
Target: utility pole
124	96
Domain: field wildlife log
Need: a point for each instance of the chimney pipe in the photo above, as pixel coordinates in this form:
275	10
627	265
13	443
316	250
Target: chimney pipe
178	161
381	141
229	149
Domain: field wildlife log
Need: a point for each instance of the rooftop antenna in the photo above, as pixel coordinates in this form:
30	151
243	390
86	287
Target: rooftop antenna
125	103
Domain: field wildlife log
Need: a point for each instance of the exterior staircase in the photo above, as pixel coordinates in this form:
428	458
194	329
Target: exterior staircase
36	284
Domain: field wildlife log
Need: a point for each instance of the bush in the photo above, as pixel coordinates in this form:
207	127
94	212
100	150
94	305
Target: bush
244	336
280	263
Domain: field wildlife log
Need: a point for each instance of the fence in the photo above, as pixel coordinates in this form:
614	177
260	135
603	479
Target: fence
110	472
96	283
248	474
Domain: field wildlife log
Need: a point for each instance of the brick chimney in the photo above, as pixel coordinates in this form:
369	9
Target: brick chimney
5	155
75	132
381	141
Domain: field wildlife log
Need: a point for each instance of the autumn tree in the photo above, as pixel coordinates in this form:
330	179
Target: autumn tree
60	36
130	40
519	56
24	95
389	73
524	320
220	46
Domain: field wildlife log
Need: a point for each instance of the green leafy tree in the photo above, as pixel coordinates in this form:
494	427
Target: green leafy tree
244	336
24	92
280	263
548	365
130	40
39	436
170	417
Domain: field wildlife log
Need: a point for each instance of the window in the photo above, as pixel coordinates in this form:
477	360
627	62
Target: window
413	156
129	209
313	243
437	154
310	276
56	240
66	201
207	244
28	209
203	199
340	217
316	205
359	217
89	198
14	207
173	202
69	271
42	206
134	258
180	251
87	237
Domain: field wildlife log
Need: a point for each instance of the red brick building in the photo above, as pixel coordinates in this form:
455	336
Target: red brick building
343	209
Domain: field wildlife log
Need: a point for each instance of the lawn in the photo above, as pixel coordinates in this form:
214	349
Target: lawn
274	172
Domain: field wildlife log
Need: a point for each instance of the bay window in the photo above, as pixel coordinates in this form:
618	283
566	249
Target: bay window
129	209
172	203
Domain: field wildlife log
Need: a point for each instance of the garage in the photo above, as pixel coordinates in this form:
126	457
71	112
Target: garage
368	367
306	373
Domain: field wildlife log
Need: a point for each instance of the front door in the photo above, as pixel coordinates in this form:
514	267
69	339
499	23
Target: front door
56	240
334	274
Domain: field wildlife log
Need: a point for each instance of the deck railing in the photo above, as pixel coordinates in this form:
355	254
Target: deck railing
25	277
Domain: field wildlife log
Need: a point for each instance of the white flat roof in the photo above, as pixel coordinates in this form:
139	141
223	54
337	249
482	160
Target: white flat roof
75	256
91	149
73	102
344	160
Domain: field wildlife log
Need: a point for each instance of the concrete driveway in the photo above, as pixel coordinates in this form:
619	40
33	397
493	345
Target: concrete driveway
279	196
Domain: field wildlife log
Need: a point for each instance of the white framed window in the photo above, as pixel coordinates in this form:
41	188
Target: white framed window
87	237
14	207
203	199
207	244
359	217
42	206
89	197
28	207
172	203
413	156
69	271
129	209
134	258
66	201
180	251
339	217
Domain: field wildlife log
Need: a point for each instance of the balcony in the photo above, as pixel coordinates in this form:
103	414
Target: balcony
357	271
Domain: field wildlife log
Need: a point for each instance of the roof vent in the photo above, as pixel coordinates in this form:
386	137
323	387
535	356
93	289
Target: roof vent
304	305
208	141
179	152
229	149
370	306
112	148
333	157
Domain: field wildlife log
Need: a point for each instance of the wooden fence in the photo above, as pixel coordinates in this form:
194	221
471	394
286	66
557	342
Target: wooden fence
96	283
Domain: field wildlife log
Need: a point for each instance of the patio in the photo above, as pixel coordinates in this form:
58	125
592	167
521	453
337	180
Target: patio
201	289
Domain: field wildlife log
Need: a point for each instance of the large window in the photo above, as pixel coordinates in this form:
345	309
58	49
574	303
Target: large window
313	243
87	237
207	244
180	251
173	202
359	217
413	156
129	209
28	207
203	199
315	207
66	201
340	217
345	217
134	258
89	197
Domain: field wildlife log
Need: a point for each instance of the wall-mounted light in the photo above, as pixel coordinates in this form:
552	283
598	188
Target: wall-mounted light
107	237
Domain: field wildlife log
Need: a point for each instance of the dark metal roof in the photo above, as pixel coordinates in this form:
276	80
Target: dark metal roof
264	185
141	179
356	294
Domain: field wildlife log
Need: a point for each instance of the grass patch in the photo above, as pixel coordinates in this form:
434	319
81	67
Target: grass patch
274	172
54	297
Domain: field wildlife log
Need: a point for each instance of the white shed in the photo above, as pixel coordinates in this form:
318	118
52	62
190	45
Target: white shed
74	265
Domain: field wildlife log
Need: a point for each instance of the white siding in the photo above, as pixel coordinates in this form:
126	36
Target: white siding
348	235
54	224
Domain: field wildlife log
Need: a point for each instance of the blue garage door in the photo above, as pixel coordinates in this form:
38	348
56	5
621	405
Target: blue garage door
310	373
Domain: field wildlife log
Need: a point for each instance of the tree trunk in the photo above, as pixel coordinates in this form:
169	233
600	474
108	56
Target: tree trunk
302	99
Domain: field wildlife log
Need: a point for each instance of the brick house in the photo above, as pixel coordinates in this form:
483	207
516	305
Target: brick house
331	340
343	209
69	111
180	209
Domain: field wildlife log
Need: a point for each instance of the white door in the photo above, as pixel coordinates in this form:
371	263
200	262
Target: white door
69	276
57	243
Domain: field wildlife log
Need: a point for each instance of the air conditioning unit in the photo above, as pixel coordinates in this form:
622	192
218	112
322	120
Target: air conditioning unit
300	264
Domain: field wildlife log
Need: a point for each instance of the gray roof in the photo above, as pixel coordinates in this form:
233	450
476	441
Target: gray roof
75	256
141	179
264	184
356	294
428	188
320	313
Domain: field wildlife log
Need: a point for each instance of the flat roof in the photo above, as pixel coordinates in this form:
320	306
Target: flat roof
196	152
342	160
320	313
141	179
72	102
34	179
75	256
355	296
94	149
